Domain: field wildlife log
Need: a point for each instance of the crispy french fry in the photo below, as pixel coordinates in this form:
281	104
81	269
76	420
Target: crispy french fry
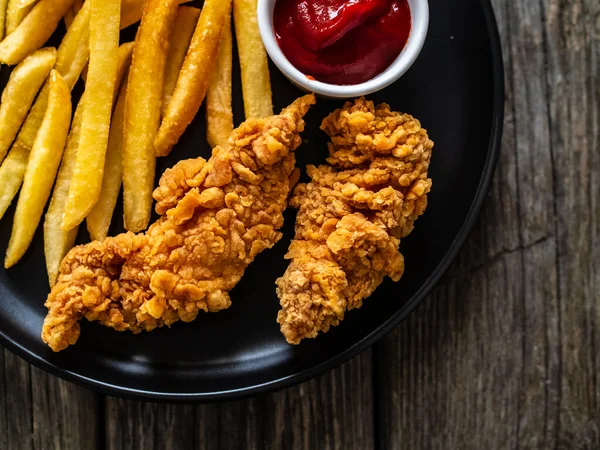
89	167
219	115
124	55
132	10
3	6
16	10
71	52
142	110
11	176
71	58
58	242
33	31
185	24
195	75
41	169
74	52
256	81
22	87
69	17
98	220
72	12
26	3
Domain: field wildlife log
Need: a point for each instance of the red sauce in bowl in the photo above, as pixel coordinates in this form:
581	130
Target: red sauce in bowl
342	42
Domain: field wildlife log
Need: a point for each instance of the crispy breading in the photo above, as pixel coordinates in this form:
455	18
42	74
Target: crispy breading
352	216
217	215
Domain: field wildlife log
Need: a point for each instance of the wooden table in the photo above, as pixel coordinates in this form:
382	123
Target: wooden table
505	353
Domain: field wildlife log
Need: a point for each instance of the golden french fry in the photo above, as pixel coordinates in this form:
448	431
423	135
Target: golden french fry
41	169
132	10
11	176
185	24
256	81
124	55
58	242
33	31
71	58
98	220
69	17
24	83
13	167
72	12
89	167
219	115
142	110
3	6
16	10
25	3
195	75
74	52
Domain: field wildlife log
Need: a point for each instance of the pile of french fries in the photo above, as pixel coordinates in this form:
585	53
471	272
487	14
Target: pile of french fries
139	98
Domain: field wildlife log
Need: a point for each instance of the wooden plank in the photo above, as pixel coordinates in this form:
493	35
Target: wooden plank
65	416
139	425
16	402
3	414
216	423
38	410
334	411
207	426
532	144
478	365
573	77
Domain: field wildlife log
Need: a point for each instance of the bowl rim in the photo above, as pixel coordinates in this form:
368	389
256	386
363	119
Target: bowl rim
404	61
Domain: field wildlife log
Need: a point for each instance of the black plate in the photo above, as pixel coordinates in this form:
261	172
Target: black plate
455	88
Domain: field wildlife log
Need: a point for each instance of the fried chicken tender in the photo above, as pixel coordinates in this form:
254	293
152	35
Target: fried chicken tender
352	216
217	215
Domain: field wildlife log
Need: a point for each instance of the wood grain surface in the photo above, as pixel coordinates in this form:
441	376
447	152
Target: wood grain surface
504	354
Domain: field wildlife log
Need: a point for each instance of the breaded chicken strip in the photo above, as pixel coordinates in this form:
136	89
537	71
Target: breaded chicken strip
217	215
352	216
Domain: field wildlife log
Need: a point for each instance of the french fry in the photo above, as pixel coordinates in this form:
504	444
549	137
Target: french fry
124	55
72	12
3	6
58	242
33	31
26	3
142	110
74	52
98	220
185	24
71	58
41	169
95	123
256	81
16	10
219	115
132	10
195	75
69	17
23	85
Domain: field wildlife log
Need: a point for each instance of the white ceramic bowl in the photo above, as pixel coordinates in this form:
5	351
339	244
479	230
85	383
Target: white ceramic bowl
419	10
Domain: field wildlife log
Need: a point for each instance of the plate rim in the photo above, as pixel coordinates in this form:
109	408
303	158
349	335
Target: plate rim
494	148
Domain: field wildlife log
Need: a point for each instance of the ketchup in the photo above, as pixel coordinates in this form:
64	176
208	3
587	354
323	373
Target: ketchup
342	41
